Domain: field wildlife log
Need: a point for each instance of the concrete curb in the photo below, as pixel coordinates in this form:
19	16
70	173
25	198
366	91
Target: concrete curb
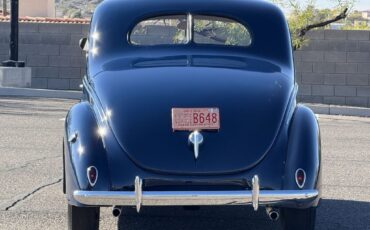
47	93
339	110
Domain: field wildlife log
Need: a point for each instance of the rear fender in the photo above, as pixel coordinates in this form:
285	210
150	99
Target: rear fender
84	148
304	149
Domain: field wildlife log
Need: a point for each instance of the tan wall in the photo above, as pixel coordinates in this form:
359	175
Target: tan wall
37	8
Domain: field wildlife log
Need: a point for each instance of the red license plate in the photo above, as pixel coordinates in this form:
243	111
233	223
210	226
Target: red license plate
195	119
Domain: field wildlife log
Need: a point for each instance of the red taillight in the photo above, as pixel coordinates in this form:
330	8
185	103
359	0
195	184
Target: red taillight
92	175
300	177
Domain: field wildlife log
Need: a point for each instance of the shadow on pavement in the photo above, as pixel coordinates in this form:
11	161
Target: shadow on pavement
332	214
343	214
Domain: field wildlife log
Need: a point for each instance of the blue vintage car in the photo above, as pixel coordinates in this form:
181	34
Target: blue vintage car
190	103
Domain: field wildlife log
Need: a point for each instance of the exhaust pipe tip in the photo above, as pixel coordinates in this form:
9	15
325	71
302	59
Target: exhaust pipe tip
273	214
116	211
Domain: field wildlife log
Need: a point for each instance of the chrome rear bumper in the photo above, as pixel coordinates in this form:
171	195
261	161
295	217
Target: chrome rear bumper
138	198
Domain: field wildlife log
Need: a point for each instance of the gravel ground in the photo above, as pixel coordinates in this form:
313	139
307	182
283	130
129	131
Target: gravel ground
31	168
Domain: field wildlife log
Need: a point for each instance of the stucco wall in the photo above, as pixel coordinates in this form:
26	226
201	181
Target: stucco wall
37	8
334	68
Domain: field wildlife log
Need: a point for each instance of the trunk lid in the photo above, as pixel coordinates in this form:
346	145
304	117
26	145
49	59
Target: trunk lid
251	104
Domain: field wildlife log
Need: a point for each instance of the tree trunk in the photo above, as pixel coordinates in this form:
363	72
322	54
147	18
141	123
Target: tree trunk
4	7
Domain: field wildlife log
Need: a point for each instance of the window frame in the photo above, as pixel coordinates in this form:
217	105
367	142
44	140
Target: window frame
190	31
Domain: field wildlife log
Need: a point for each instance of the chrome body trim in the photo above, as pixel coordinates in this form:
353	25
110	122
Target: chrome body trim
196	139
304	178
138	193
189	34
184	198
92	183
255	192
138	198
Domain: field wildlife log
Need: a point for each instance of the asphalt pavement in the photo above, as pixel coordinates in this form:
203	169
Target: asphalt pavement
31	171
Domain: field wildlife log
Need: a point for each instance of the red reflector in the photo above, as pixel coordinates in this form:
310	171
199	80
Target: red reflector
92	175
300	177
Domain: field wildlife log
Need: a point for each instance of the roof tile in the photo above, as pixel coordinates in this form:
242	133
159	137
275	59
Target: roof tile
48	20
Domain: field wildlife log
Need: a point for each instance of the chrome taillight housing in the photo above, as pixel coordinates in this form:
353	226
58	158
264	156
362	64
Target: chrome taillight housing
92	175
300	178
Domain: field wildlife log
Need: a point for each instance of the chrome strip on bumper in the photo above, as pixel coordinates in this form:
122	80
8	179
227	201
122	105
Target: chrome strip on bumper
138	197
183	198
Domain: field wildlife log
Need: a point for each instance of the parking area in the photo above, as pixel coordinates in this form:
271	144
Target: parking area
31	171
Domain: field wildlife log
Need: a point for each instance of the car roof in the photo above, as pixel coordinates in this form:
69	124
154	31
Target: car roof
186	1
114	19
142	7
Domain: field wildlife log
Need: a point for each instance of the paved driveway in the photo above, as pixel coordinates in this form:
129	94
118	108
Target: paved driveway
31	169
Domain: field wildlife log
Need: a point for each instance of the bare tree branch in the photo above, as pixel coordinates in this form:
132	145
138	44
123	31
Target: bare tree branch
303	31
209	33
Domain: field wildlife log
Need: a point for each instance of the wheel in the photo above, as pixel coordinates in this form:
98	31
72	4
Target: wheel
82	218
302	219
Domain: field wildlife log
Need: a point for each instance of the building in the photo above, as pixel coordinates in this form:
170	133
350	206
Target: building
37	8
366	14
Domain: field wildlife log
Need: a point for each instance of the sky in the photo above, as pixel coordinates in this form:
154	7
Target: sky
360	4
363	5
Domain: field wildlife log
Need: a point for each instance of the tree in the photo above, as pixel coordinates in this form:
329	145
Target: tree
355	21
304	16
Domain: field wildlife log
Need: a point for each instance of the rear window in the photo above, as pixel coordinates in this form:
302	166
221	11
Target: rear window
220	31
182	29
161	30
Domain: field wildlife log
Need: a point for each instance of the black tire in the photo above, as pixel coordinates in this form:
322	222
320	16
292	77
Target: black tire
83	218
64	170
302	219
